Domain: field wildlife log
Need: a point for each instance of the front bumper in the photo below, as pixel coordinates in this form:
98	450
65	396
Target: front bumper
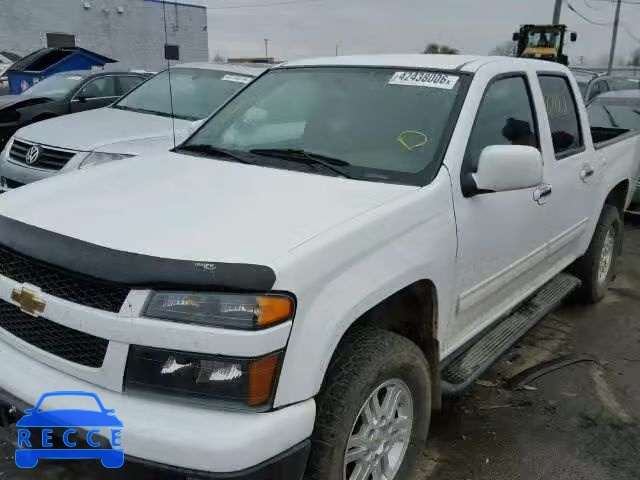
21	174
182	436
289	465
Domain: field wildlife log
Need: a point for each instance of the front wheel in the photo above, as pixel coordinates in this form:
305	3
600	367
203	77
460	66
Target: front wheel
373	410
597	267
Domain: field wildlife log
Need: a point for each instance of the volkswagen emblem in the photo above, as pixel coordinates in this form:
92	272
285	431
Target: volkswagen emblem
32	154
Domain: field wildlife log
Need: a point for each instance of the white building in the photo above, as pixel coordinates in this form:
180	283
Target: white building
130	31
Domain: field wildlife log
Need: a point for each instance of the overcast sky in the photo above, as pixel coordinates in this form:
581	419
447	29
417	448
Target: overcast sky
304	28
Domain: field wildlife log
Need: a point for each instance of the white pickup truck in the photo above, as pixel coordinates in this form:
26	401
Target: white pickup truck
293	289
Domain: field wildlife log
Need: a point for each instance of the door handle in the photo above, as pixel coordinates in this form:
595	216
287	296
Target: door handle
586	173
541	193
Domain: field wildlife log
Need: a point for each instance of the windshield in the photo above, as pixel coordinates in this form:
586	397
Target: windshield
379	124
196	92
543	40
616	113
55	87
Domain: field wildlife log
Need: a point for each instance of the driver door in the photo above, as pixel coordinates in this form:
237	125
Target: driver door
501	235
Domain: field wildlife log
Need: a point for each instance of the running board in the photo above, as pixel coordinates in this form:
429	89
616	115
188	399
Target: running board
467	366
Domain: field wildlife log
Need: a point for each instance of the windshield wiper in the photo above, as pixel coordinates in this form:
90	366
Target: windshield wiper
212	151
309	158
143	110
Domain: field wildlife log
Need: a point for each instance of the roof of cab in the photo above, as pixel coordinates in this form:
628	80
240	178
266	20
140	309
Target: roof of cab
464	63
244	69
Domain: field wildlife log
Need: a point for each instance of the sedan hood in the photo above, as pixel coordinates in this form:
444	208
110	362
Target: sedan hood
194	208
16	100
97	129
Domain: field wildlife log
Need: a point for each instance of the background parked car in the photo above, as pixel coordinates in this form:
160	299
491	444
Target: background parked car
61	94
6	60
145	120
593	84
617	110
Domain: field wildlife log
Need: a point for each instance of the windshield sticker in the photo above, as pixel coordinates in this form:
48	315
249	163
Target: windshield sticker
411	139
236	78
424	79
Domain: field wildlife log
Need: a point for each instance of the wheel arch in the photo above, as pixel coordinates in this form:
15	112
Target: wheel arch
618	196
412	312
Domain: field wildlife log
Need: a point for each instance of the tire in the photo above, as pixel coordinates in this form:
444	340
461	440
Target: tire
364	361
587	268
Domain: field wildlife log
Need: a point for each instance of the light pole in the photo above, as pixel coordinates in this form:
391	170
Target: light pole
556	12
266	48
614	37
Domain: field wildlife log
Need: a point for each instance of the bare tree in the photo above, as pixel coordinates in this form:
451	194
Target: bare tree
505	49
443	49
634	61
219	58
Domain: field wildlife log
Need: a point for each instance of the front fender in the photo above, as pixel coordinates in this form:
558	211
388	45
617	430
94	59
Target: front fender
344	273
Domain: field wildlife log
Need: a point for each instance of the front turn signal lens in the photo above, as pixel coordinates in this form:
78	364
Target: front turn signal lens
273	310
262	375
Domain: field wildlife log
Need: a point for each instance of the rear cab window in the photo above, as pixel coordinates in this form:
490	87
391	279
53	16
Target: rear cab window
562	113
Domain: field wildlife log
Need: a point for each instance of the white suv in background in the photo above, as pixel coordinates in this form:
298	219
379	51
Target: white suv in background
141	121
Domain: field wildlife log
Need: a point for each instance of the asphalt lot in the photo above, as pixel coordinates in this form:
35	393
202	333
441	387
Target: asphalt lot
579	422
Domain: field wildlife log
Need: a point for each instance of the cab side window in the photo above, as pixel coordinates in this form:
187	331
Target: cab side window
99	88
562	113
505	117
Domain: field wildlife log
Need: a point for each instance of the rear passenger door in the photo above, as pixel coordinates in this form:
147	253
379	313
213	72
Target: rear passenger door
569	168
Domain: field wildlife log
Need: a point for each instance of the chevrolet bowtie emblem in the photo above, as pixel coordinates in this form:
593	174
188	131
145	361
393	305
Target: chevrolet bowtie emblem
28	301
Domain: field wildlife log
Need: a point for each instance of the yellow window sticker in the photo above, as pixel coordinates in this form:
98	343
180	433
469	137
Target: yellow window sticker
410	139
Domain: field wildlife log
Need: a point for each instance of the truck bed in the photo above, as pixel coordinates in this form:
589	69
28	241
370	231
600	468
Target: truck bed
604	136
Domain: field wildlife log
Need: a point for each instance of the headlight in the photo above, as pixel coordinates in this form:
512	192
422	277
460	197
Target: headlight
96	158
7	149
236	382
245	312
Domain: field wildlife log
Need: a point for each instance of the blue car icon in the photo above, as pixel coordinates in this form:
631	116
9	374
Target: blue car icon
39	446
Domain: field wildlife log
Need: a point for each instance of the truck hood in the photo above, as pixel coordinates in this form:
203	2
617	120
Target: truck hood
193	208
99	128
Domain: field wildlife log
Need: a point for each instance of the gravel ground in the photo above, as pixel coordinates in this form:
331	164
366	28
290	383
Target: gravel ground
580	422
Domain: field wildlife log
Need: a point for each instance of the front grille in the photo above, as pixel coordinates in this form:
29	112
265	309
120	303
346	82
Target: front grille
49	158
64	342
62	284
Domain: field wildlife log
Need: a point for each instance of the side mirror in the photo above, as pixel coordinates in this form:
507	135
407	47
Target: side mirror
502	168
574	36
516	36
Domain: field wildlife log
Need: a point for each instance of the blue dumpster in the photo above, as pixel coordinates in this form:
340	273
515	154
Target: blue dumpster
47	61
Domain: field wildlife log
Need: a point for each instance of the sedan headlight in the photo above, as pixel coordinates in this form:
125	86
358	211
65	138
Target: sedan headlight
244	312
233	382
96	158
